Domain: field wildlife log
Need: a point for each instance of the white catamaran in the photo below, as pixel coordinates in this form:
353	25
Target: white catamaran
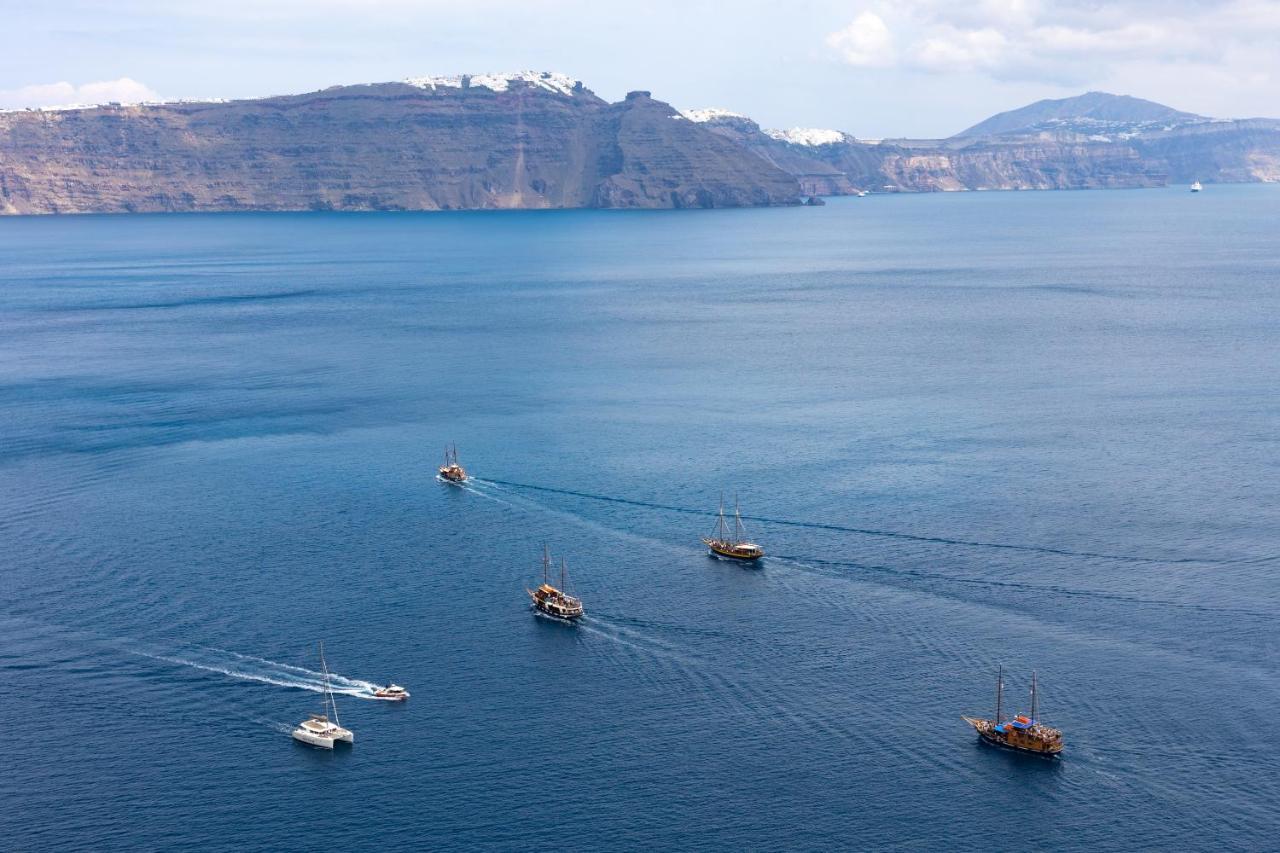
318	729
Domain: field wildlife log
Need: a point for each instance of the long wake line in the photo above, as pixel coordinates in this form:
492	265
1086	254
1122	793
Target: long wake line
253	668
886	534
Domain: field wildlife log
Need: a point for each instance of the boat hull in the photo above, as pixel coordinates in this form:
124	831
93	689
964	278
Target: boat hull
553	614
995	741
312	740
325	741
545	604
716	551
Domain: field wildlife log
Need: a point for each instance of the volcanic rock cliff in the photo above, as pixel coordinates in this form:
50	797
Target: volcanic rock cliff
524	140
1091	141
540	140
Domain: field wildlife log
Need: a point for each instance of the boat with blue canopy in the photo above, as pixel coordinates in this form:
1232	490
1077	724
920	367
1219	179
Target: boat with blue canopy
1023	733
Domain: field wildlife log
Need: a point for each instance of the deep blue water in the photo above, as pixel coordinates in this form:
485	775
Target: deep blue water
1029	429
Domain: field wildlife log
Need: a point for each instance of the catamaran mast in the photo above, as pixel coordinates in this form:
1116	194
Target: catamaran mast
328	692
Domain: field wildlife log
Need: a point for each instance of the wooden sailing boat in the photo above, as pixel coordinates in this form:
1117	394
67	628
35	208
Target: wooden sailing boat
451	470
736	547
550	600
1022	733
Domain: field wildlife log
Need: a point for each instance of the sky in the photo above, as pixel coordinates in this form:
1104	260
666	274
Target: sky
922	68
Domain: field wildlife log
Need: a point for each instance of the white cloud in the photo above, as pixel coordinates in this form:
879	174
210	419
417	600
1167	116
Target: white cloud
124	90
1064	41
866	42
962	50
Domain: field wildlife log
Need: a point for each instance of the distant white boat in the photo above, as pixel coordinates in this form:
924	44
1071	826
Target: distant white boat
1195	188
318	729
391	693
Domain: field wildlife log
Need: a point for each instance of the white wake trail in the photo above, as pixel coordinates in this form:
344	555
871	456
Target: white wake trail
474	487
335	680
273	673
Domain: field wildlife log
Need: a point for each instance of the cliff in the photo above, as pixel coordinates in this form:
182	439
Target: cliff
492	141
1092	141
540	140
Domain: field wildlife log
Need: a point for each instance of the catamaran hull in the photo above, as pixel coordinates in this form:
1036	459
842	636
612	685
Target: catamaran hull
994	741
321	741
313	740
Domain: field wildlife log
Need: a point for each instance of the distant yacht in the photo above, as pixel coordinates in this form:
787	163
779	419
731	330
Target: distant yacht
1196	187
550	600
736	547
1022	733
318	729
391	693
451	470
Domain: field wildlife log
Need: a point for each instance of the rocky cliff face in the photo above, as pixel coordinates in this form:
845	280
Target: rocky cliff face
532	140
816	176
495	141
1041	164
1216	151
842	165
1093	141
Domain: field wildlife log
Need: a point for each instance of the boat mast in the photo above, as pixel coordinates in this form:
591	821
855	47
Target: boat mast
720	527
1033	695
564	574
546	562
739	534
999	693
328	692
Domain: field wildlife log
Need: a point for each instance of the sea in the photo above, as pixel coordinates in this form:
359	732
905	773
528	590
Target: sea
1031	432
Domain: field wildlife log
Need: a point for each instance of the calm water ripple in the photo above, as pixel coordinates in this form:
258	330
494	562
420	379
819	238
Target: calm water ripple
1029	429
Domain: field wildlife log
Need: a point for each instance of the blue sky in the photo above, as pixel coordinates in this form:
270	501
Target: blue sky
913	67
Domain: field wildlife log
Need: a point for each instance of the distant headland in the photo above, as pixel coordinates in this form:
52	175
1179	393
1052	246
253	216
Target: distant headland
544	140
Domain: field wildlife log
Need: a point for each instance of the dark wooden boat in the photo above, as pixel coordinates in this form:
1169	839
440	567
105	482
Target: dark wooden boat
735	547
451	471
555	601
1022	733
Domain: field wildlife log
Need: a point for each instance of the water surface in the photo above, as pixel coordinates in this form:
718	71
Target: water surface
1029	429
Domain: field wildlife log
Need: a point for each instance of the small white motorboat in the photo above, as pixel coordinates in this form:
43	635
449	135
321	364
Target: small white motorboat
391	693
1196	187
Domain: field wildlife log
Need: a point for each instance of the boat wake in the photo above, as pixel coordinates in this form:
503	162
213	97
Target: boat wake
475	488
864	531
617	630
263	671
